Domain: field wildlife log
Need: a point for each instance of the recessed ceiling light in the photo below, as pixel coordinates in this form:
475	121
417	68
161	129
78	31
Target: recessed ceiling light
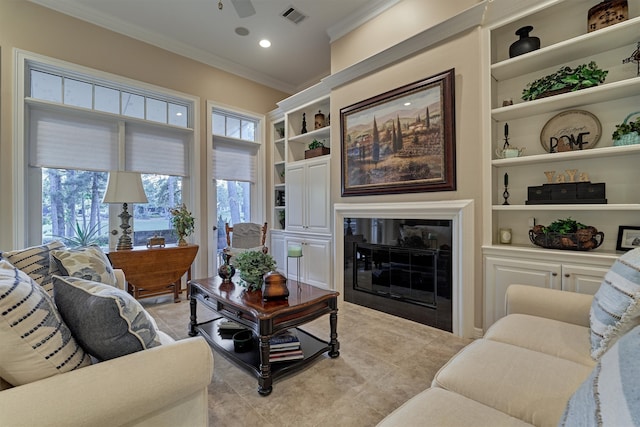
407	103
265	43
242	31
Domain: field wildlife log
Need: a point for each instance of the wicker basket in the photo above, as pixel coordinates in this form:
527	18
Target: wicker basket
630	138
569	241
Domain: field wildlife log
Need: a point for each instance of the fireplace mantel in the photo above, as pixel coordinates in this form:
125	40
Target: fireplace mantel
460	212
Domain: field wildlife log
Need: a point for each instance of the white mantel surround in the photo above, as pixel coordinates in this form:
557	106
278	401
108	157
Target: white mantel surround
461	214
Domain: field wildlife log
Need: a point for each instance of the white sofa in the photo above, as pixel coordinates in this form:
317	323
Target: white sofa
161	386
523	372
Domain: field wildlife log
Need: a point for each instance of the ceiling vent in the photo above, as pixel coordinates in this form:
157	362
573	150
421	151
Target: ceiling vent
294	15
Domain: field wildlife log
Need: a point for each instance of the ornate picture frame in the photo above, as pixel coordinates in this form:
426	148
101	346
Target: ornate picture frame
401	141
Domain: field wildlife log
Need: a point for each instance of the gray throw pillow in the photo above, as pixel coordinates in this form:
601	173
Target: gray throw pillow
106	321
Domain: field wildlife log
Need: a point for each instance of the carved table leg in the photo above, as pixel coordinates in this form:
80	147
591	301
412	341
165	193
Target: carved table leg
334	345
194	322
265	380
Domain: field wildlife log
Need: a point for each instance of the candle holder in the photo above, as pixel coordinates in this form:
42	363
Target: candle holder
296	253
505	194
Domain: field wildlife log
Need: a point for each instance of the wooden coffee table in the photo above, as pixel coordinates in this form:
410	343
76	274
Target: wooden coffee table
265	319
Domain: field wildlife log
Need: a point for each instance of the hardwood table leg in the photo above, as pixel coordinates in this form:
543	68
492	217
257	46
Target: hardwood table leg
194	321
334	345
265	381
176	290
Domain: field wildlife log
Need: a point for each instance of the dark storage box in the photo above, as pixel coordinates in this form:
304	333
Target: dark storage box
587	190
539	193
563	191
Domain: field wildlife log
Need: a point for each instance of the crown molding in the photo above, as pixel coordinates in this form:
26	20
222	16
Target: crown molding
468	19
362	16
79	11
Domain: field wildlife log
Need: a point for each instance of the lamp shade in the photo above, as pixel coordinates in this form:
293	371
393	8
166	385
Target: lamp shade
124	187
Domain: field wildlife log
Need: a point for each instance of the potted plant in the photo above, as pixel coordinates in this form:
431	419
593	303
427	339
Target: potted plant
566	79
182	222
252	266
316	148
566	234
628	132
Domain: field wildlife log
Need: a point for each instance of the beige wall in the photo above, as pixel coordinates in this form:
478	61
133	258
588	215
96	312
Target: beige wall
29	27
461	53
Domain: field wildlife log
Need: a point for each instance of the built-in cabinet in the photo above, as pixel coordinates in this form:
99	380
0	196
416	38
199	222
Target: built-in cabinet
301	205
554	270
565	41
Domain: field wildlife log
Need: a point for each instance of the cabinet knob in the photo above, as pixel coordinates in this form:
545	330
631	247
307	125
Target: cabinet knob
554	274
567	275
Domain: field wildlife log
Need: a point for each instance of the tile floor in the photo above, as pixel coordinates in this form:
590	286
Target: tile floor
384	360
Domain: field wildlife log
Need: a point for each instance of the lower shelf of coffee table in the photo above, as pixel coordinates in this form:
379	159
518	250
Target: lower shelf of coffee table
311	346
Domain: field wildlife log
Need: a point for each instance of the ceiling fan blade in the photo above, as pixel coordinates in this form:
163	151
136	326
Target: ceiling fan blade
244	8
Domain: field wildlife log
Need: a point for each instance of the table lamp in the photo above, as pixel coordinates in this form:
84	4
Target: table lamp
124	187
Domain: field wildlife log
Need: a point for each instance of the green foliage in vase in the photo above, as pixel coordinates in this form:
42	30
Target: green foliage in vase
253	265
626	128
182	220
581	77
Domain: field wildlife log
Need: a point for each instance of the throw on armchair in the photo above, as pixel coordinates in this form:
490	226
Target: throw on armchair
246	236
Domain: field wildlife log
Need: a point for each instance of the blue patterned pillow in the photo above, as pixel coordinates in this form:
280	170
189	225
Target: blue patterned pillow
89	263
35	261
610	396
616	306
34	341
106	321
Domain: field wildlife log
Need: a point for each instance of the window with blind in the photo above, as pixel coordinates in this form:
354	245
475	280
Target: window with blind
80	127
235	167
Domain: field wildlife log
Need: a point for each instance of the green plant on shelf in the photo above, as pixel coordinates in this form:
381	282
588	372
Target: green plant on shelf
626	128
315	144
582	77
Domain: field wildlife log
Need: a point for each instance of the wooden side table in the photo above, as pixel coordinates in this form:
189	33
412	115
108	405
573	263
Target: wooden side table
155	271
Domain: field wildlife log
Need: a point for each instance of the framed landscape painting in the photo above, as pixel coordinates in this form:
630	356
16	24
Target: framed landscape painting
401	141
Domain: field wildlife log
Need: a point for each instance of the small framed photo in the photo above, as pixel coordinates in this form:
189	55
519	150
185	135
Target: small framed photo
628	238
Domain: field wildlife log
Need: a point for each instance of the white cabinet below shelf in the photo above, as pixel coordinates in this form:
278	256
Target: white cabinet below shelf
315	263
574	273
277	250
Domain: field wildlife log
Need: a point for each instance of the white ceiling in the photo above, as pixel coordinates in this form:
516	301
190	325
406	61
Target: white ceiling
299	55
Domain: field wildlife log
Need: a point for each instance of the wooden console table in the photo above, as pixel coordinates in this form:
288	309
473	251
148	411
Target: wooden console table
155	271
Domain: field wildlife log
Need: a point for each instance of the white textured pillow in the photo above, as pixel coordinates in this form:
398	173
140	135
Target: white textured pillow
610	396
34	341
616	306
106	321
35	262
88	263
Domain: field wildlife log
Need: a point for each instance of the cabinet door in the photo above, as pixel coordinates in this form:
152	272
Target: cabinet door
277	251
502	272
295	191
582	279
317	262
317	194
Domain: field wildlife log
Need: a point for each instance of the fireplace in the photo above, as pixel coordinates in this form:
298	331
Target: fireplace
401	267
412	259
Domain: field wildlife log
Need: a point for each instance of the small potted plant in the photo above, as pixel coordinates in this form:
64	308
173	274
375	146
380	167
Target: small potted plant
316	148
252	266
566	79
628	132
182	222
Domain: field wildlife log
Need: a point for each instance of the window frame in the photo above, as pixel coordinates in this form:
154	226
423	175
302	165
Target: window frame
258	208
27	185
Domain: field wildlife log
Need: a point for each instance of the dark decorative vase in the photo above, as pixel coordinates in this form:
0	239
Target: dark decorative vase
525	43
226	270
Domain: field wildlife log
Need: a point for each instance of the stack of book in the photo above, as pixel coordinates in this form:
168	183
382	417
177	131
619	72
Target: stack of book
285	347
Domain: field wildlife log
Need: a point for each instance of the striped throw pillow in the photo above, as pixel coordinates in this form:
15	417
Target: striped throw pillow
610	396
35	261
616	306
34	341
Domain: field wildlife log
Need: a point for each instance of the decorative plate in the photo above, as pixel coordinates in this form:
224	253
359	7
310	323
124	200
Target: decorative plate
571	130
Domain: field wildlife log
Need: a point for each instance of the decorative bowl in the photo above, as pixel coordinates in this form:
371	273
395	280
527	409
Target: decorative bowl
582	240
